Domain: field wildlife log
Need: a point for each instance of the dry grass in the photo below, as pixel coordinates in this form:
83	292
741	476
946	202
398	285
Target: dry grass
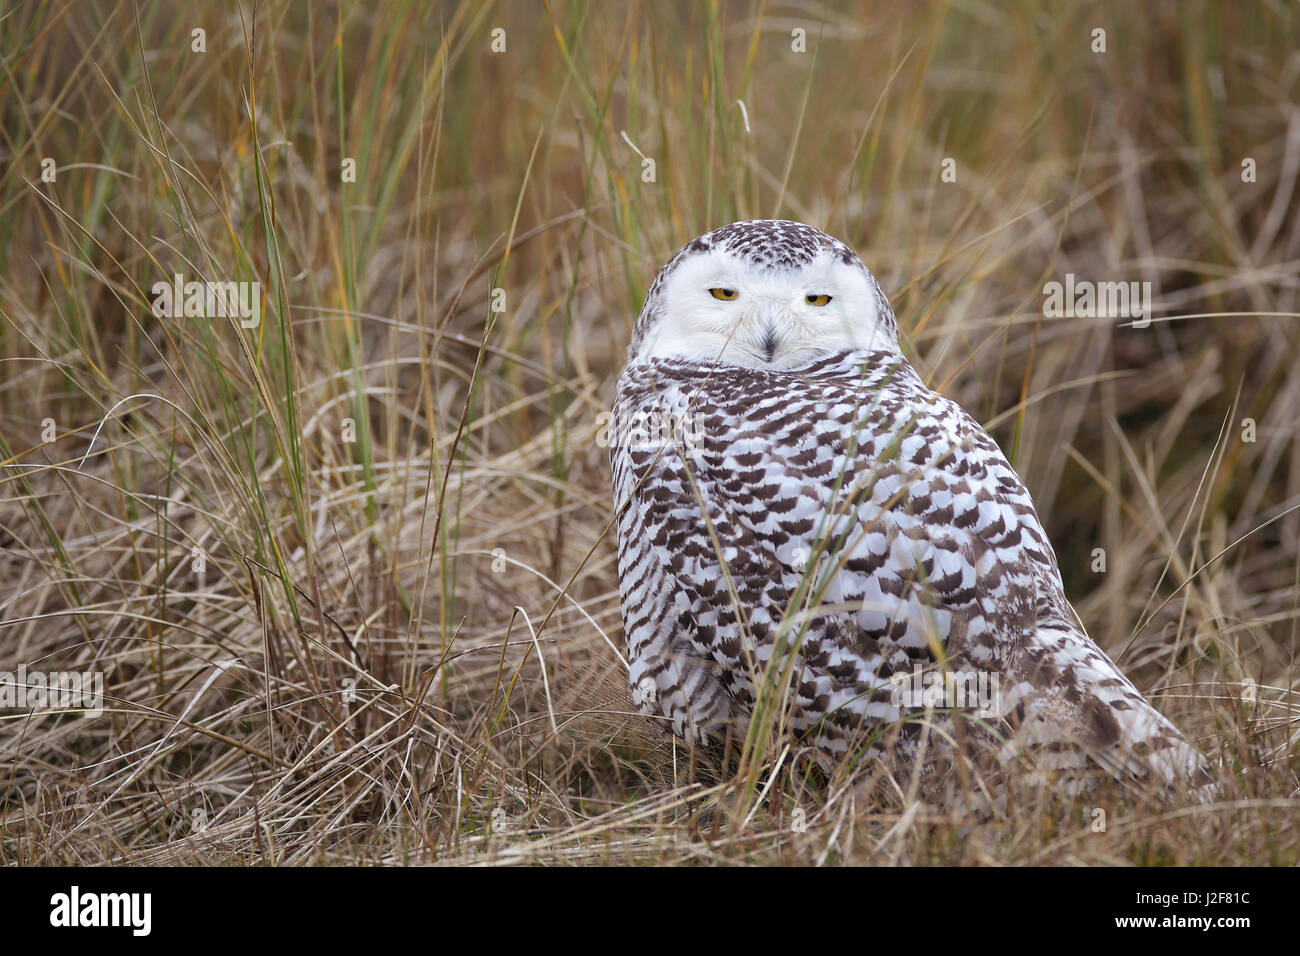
400	636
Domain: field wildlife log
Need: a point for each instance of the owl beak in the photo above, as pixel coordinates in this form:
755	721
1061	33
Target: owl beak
769	343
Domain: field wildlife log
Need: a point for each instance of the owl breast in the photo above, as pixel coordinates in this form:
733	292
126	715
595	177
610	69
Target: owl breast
822	531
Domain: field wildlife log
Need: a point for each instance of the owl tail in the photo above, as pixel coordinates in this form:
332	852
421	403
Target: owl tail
1151	751
1072	706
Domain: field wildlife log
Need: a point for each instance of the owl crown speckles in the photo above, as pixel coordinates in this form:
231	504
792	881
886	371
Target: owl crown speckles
816	437
769	243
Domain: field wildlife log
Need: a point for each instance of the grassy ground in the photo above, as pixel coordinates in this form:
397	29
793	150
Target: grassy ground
403	644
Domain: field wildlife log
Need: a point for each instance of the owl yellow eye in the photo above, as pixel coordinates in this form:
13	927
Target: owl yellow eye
820	299
725	295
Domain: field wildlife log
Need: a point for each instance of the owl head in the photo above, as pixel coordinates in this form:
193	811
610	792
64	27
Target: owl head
763	293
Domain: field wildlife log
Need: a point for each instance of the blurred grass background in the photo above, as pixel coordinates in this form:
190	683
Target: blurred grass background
404	644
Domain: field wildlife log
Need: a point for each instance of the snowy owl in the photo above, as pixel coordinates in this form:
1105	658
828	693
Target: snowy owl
808	533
